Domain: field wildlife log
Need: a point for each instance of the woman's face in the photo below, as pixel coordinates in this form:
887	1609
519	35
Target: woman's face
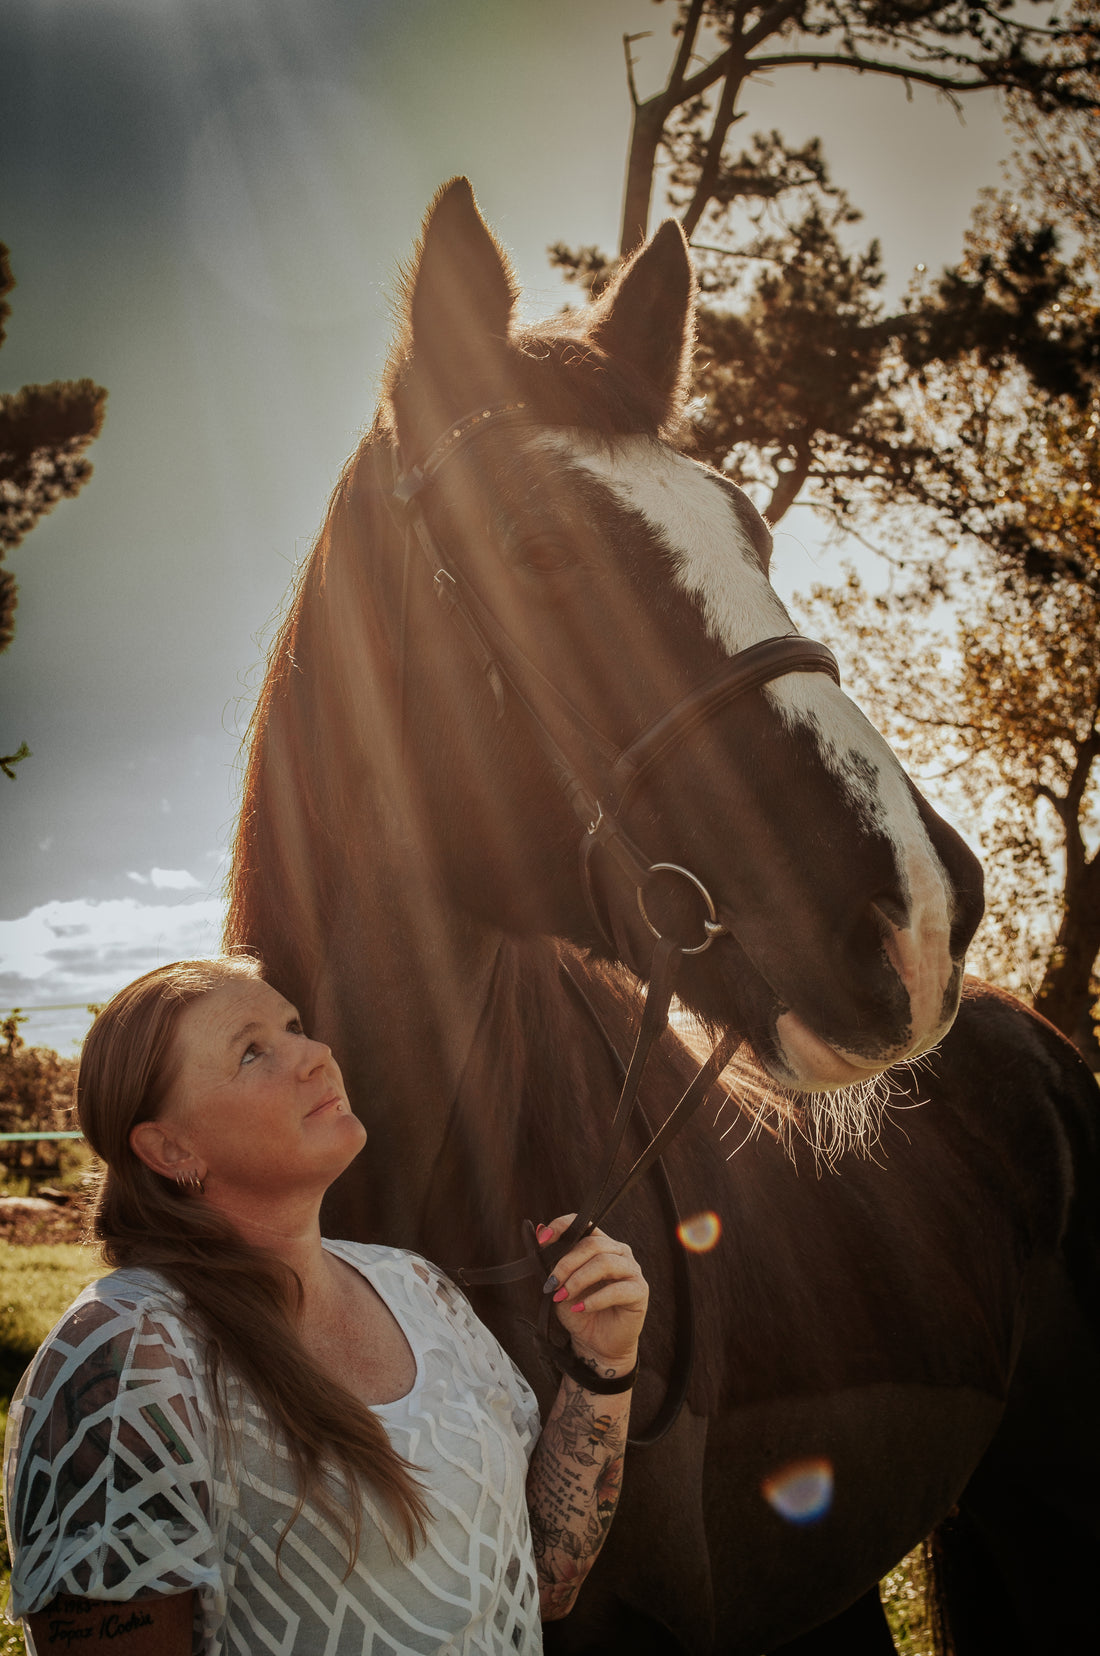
261	1107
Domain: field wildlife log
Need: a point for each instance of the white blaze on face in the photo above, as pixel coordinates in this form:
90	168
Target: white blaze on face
690	508
715	563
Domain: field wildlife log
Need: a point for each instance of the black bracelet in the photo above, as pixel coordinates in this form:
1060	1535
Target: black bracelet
579	1372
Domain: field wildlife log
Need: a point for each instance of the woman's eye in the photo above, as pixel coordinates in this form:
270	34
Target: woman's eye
294	1027
250	1053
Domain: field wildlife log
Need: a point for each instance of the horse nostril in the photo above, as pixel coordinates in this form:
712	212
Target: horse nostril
969	907
875	928
892	908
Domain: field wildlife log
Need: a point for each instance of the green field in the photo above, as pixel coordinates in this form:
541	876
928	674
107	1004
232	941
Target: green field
38	1282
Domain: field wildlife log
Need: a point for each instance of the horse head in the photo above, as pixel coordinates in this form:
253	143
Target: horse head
602	578
575	618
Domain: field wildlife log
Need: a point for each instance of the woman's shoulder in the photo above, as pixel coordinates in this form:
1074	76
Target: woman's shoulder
107	1319
132	1285
123	1298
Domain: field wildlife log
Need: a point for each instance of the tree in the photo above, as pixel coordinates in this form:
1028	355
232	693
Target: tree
958	48
44	432
37	1092
1004	467
1056	153
793	335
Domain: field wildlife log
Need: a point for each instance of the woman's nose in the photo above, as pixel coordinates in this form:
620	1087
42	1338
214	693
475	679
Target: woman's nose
313	1055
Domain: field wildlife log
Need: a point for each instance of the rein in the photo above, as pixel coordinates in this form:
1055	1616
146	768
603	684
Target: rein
507	668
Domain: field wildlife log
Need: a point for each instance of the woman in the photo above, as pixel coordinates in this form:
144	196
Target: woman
247	1439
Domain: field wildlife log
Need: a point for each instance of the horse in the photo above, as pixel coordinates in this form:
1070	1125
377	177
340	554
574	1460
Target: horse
531	626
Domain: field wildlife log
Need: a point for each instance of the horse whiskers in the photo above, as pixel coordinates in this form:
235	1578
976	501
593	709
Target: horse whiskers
833	1125
848	1121
837	1124
756	1124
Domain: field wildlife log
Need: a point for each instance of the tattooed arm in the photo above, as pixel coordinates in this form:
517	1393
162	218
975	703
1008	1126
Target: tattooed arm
142	1627
576	1470
573	1490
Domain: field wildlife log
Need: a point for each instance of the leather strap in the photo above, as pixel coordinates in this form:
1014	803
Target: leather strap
751	668
598	807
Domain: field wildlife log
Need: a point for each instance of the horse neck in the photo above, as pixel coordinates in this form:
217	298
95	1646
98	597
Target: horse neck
473	1071
506	1126
528	1124
401	1008
386	970
334	886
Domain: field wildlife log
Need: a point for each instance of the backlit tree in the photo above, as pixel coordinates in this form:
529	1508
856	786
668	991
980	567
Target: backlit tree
44	432
794	337
983	654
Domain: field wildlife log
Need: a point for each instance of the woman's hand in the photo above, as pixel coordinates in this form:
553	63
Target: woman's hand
600	1296
576	1470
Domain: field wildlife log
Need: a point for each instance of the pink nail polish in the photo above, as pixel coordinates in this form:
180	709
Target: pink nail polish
561	1294
578	1307
544	1232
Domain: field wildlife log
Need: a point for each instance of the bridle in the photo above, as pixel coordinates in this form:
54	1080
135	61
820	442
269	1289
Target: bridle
600	811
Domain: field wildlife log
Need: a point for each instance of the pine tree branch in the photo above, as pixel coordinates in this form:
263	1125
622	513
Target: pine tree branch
789	483
692	24
10	760
942	81
724	118
986	77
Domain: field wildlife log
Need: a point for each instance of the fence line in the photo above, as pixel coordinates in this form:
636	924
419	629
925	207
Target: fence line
57	1006
7	1138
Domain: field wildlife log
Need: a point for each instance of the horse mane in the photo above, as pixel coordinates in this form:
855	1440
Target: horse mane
329	669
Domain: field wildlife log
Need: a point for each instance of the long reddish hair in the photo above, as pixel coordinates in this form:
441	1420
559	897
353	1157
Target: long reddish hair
241	1299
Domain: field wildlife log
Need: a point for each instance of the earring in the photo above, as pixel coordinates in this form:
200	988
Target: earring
190	1182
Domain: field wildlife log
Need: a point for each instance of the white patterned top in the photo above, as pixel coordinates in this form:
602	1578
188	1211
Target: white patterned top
117	1486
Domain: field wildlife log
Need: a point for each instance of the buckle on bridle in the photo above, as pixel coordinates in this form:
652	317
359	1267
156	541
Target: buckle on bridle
712	926
446	588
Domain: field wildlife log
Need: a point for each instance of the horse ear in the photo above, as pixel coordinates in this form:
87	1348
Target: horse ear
648	315
462	292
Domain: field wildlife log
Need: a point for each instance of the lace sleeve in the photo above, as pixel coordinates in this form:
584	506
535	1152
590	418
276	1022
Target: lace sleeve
108	1483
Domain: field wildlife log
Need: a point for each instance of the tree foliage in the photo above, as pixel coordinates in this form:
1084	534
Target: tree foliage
37	1090
999	684
799	358
958	428
44	432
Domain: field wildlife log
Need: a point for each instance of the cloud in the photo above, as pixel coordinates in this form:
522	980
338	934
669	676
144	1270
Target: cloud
81	951
166	879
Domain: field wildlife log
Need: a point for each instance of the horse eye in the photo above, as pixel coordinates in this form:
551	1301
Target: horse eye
545	556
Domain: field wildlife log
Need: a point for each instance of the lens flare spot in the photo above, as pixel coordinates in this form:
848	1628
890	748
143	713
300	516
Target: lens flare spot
700	1233
802	1491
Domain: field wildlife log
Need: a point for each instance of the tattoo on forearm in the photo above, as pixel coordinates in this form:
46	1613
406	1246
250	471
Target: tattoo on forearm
574	1490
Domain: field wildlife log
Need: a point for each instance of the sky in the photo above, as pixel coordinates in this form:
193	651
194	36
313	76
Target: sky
207	204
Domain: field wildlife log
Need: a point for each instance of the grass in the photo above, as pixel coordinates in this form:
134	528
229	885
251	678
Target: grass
37	1283
904	1599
